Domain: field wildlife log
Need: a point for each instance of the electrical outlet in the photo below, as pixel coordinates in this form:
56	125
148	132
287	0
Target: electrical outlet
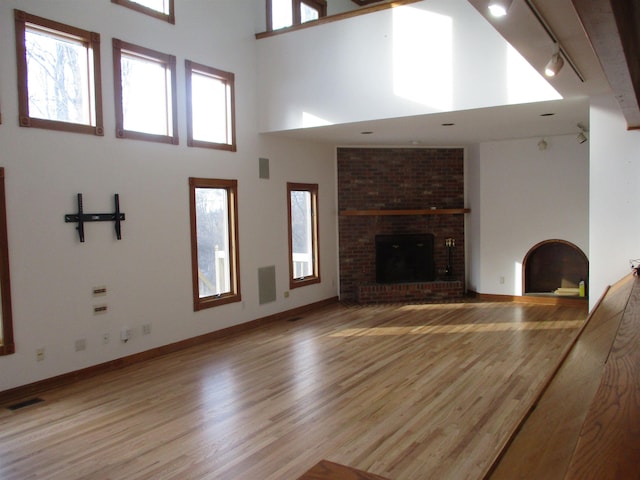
146	329
501	280
125	334
39	354
286	294
81	344
105	338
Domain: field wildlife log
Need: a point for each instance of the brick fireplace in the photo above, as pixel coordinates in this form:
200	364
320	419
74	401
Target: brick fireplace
400	191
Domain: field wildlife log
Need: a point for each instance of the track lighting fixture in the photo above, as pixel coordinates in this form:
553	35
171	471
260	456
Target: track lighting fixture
581	137
499	8
555	64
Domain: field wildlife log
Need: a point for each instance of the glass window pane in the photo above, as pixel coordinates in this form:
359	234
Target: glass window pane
212	225
301	234
161	6
281	14
308	13
146	96
58	78
209	101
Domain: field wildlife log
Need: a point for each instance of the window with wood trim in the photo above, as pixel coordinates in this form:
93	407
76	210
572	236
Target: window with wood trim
304	260
59	84
210	107
161	9
7	345
214	242
145	93
284	13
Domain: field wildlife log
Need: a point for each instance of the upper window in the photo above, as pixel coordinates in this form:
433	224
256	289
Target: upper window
6	326
304	265
210	107
145	93
284	13
162	9
59	83
214	242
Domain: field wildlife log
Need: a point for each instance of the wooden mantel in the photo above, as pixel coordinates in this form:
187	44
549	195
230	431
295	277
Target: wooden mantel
430	211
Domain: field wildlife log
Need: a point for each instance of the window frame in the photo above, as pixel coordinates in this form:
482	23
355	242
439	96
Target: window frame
229	80
91	40
312	188
231	186
169	61
167	17
296	7
7	345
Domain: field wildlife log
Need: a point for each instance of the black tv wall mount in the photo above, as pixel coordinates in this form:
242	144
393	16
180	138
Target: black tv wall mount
80	218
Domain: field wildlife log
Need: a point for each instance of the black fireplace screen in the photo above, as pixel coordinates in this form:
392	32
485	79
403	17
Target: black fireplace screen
404	258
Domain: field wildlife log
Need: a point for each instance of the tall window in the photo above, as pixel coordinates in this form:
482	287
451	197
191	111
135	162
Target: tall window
214	242
145	93
6	331
284	13
304	265
59	84
210	107
162	9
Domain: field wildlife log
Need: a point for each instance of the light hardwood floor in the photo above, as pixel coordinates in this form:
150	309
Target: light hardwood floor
402	391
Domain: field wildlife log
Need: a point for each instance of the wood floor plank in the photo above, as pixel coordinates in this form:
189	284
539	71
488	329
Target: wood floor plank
406	391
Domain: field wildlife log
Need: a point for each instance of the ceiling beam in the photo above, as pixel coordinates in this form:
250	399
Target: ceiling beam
612	30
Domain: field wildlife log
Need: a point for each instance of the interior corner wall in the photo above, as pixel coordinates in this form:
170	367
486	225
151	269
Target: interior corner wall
472	223
614	228
519	196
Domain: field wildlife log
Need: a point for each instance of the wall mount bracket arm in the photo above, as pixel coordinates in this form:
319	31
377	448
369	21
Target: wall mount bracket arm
80	218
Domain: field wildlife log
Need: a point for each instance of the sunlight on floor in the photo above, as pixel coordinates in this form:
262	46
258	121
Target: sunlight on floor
462	328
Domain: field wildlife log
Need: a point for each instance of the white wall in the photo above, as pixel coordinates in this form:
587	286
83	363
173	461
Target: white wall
519	196
425	57
614	228
148	272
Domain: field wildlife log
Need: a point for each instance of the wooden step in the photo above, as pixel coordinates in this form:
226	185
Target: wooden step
326	470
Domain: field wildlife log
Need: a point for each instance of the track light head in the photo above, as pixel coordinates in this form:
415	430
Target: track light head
499	8
554	65
581	137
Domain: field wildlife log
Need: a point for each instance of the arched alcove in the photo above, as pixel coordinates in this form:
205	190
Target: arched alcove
554	264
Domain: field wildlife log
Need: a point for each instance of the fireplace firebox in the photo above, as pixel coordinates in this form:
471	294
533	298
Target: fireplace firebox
404	258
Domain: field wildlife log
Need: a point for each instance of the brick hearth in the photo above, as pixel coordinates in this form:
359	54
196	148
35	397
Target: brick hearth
399	179
438	291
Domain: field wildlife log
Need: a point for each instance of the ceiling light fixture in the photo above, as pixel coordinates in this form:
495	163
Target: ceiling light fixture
555	64
561	53
499	8
581	138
